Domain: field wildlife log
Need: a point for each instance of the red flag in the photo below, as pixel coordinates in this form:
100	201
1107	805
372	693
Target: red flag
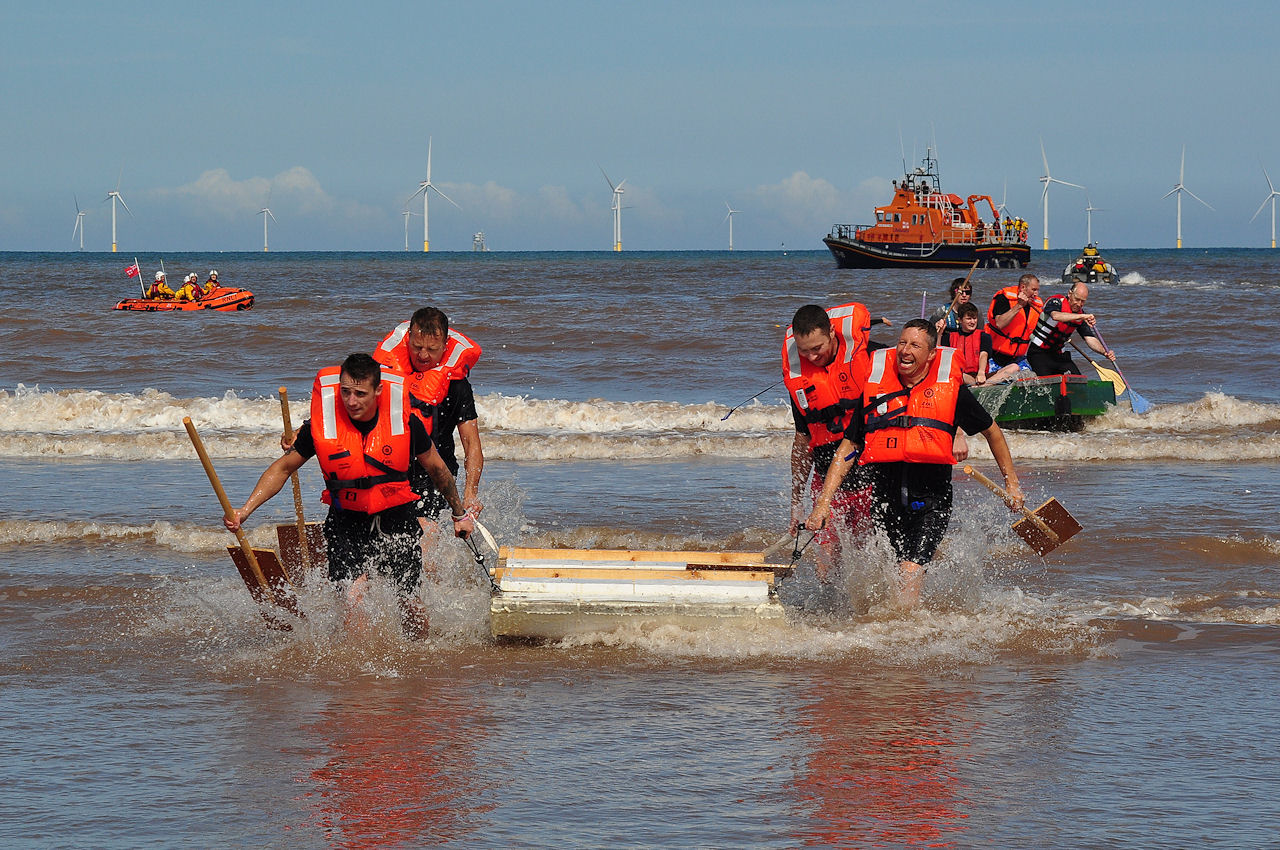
132	271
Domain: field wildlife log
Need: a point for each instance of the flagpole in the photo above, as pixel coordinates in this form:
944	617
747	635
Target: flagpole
141	285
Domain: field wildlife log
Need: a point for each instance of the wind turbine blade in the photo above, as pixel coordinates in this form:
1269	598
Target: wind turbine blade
119	177
130	212
1261	207
1045	158
1065	183
273	218
428	159
1182	169
1171	192
620	185
606	176
1268	176
1197	197
422	187
77	200
443	195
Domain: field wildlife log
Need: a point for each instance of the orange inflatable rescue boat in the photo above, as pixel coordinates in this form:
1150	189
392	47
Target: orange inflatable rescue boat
225	299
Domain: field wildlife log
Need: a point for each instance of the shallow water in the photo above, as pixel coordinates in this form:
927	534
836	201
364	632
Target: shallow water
1119	693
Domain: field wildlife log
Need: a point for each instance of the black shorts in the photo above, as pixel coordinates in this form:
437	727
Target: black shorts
1045	362
387	542
914	517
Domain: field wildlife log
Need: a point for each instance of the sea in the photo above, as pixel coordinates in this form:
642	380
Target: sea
1119	692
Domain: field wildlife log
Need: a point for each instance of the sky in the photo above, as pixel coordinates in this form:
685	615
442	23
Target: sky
797	114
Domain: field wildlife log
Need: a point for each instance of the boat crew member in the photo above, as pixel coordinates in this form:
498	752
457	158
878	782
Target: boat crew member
1010	320
159	288
824	361
212	283
437	361
191	290
365	438
1062	316
973	347
960	292
913	403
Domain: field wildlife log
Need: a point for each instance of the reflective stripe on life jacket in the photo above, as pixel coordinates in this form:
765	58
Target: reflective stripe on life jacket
366	473
428	388
914	425
1012	339
1051	335
829	397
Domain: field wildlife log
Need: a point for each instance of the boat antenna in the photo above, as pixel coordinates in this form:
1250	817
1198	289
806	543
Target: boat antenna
903	150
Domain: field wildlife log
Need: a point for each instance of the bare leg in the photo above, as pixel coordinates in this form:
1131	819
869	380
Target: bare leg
1006	373
910	583
413	617
355	618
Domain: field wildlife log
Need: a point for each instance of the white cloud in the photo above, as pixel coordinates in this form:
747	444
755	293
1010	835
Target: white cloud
295	189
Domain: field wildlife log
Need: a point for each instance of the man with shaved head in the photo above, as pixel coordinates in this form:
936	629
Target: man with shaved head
1062	316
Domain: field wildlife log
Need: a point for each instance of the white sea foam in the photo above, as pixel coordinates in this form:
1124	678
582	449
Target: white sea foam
148	425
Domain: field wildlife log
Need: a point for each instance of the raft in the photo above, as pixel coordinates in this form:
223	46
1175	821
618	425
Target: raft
1049	403
224	299
551	594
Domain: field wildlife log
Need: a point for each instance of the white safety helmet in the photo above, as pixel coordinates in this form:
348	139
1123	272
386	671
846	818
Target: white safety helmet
214	274
159	275
189	277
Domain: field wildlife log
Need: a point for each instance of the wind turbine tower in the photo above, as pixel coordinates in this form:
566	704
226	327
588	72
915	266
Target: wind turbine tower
1179	189
113	196
80	214
425	188
407	214
1089	210
616	206
1272	198
1048	179
729	218
265	213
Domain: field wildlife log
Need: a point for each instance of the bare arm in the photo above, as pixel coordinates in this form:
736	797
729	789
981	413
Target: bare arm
846	457
268	485
801	467
442	478
469	435
1000	451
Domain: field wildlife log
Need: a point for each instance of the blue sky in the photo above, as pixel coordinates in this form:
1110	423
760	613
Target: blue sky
791	112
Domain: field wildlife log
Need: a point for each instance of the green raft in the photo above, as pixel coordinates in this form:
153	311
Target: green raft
1051	403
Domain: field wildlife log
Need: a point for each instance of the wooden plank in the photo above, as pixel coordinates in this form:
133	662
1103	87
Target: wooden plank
627	575
280	592
717	558
291	555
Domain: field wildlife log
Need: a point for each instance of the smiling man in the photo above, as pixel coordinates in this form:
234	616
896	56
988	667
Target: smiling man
365	440
913	403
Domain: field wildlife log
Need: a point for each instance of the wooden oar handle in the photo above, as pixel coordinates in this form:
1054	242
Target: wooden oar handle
227	510
303	547
1008	500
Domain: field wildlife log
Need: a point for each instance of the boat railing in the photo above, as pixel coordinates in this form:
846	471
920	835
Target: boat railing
947	236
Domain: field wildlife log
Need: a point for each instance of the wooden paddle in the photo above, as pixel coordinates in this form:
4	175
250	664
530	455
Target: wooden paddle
261	589
1045	528
303	548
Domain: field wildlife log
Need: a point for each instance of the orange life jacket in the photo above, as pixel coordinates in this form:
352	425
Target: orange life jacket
915	425
427	389
828	397
1012	339
366	473
968	348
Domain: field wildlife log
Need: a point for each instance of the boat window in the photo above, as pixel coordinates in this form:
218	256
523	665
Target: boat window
897	216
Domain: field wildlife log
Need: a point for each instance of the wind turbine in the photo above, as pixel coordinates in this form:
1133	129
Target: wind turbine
1004	199
265	213
80	214
616	206
406	215
1047	179
729	218
1272	198
1089	210
113	196
1179	189
425	188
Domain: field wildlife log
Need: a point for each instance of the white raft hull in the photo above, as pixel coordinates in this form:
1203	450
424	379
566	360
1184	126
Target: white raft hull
550	594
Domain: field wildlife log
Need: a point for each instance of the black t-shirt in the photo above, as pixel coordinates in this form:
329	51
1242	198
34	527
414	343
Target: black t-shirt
419	440
458	406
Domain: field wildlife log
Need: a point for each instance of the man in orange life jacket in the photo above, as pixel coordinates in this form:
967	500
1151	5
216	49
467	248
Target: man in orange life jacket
1011	317
437	361
913	404
1062	316
365	446
824	360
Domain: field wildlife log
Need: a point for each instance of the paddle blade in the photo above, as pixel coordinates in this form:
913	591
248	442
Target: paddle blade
1139	404
1060	522
1114	377
280	594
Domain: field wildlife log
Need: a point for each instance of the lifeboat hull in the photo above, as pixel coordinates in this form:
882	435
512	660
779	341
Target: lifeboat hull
224	299
856	254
